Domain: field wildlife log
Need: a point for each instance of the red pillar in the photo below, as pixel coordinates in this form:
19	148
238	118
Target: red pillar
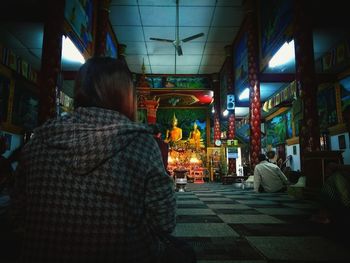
306	79
217	131
231	136
102	27
254	83
51	59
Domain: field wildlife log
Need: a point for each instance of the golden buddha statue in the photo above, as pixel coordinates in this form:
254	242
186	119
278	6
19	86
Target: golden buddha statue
195	136
175	134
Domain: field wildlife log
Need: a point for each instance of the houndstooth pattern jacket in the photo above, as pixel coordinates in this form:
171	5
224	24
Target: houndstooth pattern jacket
91	187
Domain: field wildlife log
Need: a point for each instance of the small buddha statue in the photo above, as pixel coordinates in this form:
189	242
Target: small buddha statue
195	136
175	133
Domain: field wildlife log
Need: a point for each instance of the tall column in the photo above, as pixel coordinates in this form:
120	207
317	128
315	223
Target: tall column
231	122
101	27
231	136
51	59
306	80
254	83
217	131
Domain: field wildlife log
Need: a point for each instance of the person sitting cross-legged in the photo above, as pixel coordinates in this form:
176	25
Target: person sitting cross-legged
268	177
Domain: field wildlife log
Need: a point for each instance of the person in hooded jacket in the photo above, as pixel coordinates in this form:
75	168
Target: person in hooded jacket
91	186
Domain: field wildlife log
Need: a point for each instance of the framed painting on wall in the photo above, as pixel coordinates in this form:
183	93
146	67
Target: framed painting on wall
4	97
240	65
80	17
25	107
275	26
111	44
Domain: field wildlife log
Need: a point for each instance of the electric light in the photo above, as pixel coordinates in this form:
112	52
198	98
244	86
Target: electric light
283	56
70	51
244	94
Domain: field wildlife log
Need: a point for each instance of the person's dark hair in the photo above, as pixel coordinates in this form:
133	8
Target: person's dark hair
262	157
271	154
102	82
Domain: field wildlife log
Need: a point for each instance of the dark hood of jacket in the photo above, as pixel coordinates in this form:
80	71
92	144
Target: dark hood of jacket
88	137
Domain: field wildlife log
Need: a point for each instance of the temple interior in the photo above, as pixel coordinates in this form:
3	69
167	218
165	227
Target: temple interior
225	81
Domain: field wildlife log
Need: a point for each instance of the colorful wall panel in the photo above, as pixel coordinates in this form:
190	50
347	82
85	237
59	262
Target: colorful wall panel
79	15
275	26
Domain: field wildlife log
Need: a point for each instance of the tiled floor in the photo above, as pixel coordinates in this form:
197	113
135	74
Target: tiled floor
227	224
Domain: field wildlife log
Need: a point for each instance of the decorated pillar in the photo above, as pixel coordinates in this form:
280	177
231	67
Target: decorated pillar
305	78
217	132
254	83
231	136
51	59
231	122
102	27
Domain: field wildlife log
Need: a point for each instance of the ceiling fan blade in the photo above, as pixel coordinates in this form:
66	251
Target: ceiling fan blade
161	39
179	50
192	37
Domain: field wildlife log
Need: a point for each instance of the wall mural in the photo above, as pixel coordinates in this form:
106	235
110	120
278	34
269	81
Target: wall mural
79	14
4	96
326	106
275	23
240	64
278	129
345	99
25	108
111	49
172	82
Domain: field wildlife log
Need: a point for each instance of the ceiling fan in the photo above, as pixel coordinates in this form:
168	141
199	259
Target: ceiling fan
177	42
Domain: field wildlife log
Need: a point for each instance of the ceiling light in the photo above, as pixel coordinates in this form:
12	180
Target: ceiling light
244	94
70	51
284	55
213	110
225	113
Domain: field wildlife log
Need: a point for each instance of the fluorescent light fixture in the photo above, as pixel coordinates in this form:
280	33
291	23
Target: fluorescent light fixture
225	113
284	55
244	94
70	51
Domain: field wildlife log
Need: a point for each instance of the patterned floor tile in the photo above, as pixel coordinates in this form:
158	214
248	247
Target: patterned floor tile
213	199
191	201
226	249
237	211
257	202
192	211
276	229
228	206
198	219
194	206
250	219
204	230
281	211
299	248
303	205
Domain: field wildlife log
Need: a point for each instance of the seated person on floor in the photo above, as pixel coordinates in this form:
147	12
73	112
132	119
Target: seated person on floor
268	177
334	195
272	157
